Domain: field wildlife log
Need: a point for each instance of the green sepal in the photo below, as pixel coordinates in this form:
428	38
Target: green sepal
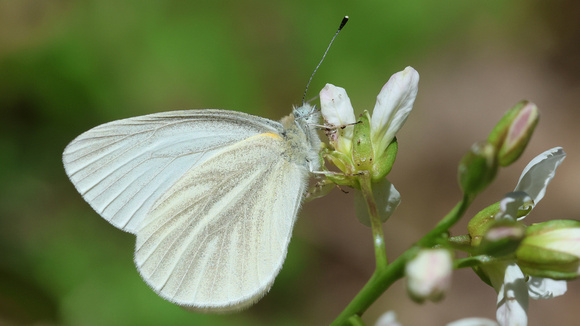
340	160
542	262
362	147
482	221
383	164
555	275
540	228
479	272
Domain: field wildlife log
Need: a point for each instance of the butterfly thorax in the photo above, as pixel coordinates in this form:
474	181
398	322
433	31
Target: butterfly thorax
299	130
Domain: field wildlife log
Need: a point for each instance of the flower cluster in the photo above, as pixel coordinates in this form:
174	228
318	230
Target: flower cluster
520	262
368	145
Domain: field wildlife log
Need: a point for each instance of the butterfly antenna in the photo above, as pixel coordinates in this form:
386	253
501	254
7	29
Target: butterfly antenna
342	23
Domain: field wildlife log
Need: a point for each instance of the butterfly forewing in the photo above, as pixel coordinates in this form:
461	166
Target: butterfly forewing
121	168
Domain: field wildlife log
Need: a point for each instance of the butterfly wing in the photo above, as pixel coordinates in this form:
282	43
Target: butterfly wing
121	168
218	237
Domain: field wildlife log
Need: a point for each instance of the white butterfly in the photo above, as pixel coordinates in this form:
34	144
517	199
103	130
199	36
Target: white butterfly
211	195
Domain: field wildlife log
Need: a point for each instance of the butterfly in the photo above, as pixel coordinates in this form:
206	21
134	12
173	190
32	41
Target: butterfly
211	196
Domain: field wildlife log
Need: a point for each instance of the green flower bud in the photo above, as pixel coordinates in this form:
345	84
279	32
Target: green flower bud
481	222
513	132
477	168
502	238
514	205
551	249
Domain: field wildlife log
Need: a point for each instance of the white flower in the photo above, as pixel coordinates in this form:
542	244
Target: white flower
389	318
429	274
374	134
338	112
508	279
474	321
394	103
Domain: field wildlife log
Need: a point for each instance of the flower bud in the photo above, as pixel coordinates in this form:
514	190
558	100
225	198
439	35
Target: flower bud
477	168
512	207
502	238
338	112
551	249
389	318
394	103
429	274
513	132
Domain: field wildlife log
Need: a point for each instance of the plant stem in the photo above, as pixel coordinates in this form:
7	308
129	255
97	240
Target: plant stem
378	283
376	225
448	221
385	275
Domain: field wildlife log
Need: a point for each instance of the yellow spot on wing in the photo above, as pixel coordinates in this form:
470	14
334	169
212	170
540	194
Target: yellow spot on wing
269	134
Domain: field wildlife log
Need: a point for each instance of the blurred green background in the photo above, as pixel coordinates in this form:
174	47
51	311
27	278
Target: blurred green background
67	66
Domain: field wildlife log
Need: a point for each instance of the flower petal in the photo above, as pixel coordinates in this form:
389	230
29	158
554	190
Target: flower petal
512	298
511	202
394	103
387	199
389	318
539	172
545	288
429	274
474	321
335	106
337	111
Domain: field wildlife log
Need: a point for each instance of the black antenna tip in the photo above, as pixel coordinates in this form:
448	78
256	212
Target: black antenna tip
343	22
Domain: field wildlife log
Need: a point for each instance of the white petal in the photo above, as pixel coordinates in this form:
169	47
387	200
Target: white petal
545	288
511	202
394	103
474	321
337	111
335	106
389	318
429	274
539	172
563	240
512	298
387	199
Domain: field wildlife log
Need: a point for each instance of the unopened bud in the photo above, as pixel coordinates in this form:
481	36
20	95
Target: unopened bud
513	132
551	249
502	238
477	168
429	274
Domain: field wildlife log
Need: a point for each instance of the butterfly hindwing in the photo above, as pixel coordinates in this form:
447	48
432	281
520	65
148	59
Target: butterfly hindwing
218	237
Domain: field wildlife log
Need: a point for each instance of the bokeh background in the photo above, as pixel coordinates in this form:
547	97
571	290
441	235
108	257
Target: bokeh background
67	66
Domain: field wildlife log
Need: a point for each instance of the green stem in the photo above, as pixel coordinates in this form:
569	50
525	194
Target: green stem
356	321
383	277
376	225
378	283
448	221
468	262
